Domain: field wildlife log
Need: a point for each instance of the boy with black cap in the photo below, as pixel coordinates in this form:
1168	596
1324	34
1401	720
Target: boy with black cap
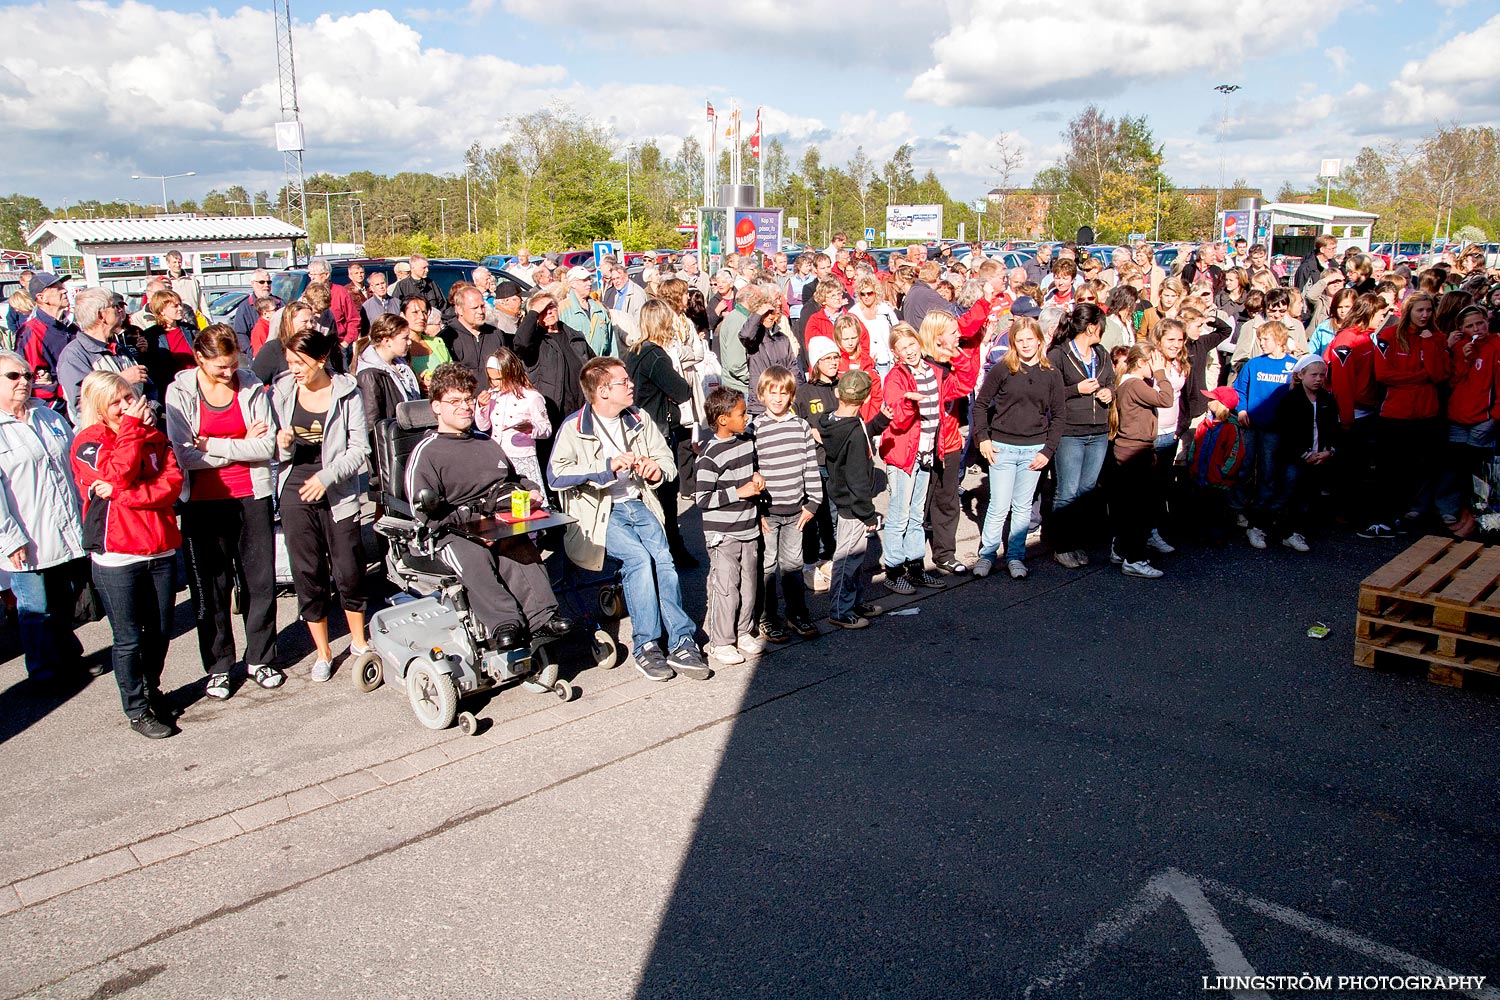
850	459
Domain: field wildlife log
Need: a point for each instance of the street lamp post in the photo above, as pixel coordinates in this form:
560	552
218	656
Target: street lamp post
328	210
163	178
443	215
1226	89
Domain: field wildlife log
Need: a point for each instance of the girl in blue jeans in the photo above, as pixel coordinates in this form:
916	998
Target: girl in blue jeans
1019	417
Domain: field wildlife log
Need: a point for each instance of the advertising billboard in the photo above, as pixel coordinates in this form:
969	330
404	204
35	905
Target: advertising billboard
914	222
757	229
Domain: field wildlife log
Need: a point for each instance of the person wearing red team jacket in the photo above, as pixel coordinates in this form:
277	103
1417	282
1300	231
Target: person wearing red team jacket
1411	362
1473	409
1351	379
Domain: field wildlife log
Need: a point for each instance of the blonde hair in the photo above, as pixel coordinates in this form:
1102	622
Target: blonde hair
934	325
843	325
98	390
658	324
1012	357
775	376
902	331
1183	363
1277	329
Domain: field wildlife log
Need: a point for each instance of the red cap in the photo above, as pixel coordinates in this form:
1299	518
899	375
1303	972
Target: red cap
1225	395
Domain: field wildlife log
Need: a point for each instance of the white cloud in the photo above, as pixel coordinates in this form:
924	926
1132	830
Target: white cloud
1339	56
1455	80
1017	53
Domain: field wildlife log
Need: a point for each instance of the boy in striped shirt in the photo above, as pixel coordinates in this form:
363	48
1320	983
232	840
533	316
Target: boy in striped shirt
728	486
787	459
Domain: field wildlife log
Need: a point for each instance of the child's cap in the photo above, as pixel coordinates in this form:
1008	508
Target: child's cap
819	348
1306	362
854	386
493	364
1224	394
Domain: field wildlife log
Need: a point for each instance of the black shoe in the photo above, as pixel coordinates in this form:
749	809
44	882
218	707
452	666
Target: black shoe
805	628
869	610
917	573
848	621
508	636
162	707
689	662
952	567
652	665
150	727
555	628
773	631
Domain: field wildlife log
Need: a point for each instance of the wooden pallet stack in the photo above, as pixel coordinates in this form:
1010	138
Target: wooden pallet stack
1436	604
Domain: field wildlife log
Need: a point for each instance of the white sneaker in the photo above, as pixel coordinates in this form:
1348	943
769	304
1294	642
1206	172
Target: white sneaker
983	566
1114	556
322	670
1257	538
750	644
822	577
1034	535
1296	542
1159	544
1017	569
1142	569
726	654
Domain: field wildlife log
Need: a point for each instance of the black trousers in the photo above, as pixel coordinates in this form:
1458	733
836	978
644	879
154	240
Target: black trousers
1132	502
1411	454
139	599
216	533
506	585
671	489
315	542
942	505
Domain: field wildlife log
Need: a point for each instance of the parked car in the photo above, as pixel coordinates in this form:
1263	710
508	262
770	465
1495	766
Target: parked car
289	284
223	302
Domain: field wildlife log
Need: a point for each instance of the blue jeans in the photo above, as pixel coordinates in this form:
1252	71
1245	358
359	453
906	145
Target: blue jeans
905	536
636	539
1012	487
45	602
1077	464
139	599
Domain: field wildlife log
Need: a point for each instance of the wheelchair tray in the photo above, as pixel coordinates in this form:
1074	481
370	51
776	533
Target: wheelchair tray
494	530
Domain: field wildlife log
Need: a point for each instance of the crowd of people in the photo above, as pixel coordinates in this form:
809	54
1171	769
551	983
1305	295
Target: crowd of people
1113	405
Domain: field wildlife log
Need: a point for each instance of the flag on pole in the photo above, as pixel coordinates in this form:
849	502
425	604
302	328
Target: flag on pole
755	137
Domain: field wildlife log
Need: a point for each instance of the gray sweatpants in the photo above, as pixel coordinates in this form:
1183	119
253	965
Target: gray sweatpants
784	553
733	579
856	550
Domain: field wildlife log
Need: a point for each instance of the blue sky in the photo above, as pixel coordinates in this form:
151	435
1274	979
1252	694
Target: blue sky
89	95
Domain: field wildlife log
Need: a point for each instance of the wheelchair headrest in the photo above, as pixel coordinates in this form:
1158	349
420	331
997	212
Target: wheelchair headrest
415	415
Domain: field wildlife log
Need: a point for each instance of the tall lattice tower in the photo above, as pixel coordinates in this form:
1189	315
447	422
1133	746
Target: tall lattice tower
289	136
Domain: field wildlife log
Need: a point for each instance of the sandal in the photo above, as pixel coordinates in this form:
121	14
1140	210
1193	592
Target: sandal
269	677
218	686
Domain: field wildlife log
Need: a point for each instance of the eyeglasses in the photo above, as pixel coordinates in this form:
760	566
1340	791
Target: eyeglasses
618	381
867	295
262	281
464	403
16	376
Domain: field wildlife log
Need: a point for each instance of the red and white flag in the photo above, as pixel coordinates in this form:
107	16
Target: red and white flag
755	137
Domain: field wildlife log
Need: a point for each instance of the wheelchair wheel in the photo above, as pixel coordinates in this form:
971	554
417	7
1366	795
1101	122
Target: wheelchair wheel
368	672
611	602
604	651
565	691
546	668
432	694
467	723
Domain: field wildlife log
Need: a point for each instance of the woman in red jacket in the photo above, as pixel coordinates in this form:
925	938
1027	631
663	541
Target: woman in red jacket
129	480
1473	409
1411	362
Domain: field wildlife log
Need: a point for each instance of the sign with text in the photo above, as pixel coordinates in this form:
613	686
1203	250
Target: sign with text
757	229
914	222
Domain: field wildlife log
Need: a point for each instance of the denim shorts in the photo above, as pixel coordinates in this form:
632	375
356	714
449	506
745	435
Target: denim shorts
1480	435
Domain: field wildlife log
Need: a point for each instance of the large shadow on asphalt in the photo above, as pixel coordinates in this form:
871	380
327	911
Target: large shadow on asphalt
942	804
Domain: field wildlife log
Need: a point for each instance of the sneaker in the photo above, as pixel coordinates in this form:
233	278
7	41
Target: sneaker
848	621
1241	521
651	664
918	574
1377	531
267	677
1081	556
151	727
1034	535
355	652
896	581
1142	569
822	577
803	627
1114	556
218	686
726	654
162	707
869	610
1159	544
1256	537
750	644
1295	542
1067	560
1017	569
688	662
322	670
775	632
983	566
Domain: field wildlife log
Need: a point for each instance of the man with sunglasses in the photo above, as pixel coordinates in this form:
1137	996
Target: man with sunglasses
246	315
469	475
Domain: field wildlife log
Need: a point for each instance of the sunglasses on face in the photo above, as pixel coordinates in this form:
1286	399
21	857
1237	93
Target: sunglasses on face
16	376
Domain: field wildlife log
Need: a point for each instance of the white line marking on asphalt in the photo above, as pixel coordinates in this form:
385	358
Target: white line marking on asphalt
1189	893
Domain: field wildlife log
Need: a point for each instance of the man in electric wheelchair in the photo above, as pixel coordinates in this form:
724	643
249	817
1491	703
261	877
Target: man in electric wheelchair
467	477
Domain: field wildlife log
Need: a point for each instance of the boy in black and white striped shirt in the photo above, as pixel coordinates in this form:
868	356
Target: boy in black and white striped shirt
786	457
728	486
